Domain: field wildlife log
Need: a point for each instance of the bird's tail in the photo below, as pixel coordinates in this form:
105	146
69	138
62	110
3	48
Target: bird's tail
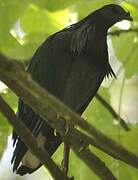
24	162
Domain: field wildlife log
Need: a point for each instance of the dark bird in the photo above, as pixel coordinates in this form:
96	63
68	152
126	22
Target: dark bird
71	64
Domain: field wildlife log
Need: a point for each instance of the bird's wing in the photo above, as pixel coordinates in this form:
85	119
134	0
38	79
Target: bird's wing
82	84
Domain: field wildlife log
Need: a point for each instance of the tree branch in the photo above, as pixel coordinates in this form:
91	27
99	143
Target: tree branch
43	156
35	100
118	32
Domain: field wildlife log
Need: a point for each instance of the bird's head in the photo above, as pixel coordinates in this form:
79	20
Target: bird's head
111	14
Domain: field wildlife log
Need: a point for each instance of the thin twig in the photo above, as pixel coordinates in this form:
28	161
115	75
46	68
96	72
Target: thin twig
111	110
95	163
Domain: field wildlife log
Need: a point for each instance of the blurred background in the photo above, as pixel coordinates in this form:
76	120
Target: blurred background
24	25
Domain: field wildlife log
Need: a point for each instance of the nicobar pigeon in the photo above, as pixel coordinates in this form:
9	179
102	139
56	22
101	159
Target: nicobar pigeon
71	64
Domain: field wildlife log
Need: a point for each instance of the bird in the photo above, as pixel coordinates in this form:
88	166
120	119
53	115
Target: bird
70	64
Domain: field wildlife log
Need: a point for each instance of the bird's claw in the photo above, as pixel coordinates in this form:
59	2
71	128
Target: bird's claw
67	128
83	147
55	132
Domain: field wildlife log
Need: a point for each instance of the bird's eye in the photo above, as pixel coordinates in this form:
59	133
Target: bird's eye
115	10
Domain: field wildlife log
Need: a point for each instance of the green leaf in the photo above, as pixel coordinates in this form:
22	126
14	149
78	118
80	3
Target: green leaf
90	6
132	65
61	4
39	20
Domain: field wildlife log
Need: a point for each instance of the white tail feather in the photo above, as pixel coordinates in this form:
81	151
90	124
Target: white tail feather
31	161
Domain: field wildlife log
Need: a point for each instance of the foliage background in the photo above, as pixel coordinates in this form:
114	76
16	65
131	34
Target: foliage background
25	24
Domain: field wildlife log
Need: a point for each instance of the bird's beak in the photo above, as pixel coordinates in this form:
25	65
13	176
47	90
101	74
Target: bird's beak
128	17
